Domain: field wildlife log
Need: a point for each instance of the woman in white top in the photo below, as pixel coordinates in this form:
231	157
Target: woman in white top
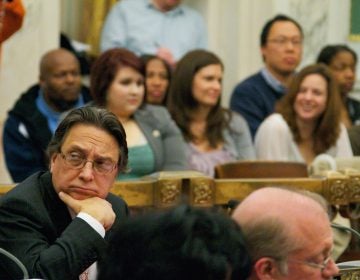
306	122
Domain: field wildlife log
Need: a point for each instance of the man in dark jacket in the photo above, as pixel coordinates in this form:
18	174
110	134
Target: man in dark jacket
281	48
35	116
57	222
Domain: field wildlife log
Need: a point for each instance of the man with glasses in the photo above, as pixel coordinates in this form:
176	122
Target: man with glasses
288	234
57	222
281	48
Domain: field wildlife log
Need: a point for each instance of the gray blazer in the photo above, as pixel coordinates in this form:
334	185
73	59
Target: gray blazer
237	139
163	136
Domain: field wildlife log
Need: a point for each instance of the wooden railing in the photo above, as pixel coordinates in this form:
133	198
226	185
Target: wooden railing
166	189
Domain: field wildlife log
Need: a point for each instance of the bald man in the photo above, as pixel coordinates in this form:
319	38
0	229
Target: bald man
35	115
288	235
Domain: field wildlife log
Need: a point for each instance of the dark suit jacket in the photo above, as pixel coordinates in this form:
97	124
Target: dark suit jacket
36	227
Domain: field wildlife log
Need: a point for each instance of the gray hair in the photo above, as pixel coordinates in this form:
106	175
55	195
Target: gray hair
269	238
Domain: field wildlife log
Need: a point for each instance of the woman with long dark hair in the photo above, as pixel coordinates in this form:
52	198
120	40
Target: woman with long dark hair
307	121
213	134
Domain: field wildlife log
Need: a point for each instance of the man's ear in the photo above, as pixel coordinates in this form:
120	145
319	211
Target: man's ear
266	269
41	80
52	161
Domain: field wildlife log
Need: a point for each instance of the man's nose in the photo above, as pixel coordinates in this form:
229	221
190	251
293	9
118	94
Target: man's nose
70	77
87	172
330	270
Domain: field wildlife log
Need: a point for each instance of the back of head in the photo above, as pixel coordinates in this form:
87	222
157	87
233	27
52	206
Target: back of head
184	243
269	217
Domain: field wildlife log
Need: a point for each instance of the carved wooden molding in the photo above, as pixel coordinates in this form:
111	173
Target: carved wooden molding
169	189
202	192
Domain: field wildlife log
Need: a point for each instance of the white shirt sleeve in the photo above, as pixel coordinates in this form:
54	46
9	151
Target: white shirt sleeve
95	224
343	145
273	140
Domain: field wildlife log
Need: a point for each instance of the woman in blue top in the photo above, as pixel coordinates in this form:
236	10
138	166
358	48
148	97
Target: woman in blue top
155	142
214	134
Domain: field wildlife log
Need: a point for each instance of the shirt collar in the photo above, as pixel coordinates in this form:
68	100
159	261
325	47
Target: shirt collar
45	108
179	9
272	81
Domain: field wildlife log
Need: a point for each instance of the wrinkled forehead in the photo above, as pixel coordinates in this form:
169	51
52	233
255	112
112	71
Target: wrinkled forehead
88	136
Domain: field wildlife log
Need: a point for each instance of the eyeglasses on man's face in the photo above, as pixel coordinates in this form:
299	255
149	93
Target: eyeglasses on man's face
77	160
283	41
323	265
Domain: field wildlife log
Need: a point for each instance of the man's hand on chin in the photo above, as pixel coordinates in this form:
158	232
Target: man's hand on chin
98	208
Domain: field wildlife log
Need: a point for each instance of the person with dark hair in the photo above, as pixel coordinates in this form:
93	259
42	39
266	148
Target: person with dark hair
307	121
281	48
157	79
155	142
33	119
57	222
213	134
288	234
342	61
183	243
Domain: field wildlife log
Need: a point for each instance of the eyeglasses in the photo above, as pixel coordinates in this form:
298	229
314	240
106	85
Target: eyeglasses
283	41
76	160
322	265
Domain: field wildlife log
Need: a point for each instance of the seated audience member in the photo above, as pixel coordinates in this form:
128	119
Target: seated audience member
168	29
57	222
288	235
213	134
184	243
157	79
35	115
155	142
342	60
281	49
307	121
